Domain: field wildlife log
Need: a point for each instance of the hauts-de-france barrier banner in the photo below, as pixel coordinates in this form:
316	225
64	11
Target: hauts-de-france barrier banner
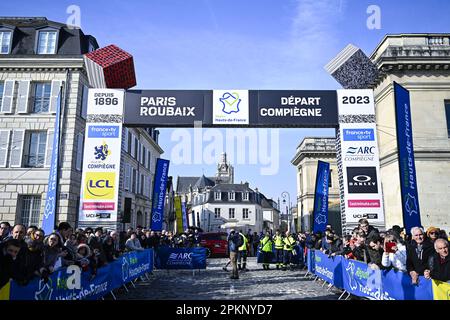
159	193
180	258
328	268
359	155
320	214
405	145
101	159
72	284
360	279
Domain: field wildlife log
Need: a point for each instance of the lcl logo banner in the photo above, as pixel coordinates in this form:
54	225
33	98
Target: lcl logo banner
362	180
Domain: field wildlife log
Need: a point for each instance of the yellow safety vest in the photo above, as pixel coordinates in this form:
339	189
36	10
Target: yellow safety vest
289	243
266	244
244	246
278	242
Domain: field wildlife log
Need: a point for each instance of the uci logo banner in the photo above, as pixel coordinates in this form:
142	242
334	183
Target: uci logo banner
99	185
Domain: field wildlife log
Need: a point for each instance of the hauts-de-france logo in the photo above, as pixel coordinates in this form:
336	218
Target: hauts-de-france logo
100	185
230	101
230	107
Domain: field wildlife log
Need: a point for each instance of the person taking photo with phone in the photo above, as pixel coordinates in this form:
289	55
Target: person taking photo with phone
394	254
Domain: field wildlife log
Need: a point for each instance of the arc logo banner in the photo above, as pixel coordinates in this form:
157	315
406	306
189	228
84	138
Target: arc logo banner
100	185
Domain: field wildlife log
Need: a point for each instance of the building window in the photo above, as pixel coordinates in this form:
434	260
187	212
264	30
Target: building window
5	42
135	151
447	116
35	157
149	158
2	87
330	182
244	213
47	42
231	213
30	208
245	196
42	97
134	183
216	213
231	196
142	183
217	195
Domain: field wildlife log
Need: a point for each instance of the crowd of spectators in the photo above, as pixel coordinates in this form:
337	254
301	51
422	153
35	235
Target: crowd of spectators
26	253
419	253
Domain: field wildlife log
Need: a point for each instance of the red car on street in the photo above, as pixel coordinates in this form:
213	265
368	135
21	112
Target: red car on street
215	242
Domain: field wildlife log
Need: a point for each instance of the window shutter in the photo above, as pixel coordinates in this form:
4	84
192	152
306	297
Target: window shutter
80	143
8	95
49	148
84	102
132	146
17	148
56	86
23	96
125	138
4	145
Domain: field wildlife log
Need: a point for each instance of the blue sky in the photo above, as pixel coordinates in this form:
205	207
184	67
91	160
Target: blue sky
229	44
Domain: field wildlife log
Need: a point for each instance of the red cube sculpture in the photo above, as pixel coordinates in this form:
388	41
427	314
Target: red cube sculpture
110	67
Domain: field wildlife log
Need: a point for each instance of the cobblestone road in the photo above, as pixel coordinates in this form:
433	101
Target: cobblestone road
214	283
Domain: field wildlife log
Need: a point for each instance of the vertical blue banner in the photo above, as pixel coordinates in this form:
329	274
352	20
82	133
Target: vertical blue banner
408	181
159	193
48	220
184	214
320	213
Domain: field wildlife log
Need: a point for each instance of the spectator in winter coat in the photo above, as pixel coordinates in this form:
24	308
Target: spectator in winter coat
347	248
360	251
5	228
133	244
331	244
108	249
51	253
439	262
369	230
418	253
433	233
394	253
33	257
9	251
375	250
85	259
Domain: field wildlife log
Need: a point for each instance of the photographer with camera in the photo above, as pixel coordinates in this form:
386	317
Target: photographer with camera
394	252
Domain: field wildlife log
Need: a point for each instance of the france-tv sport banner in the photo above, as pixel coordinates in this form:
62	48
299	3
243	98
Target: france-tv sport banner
360	157
321	197
159	193
101	160
408	180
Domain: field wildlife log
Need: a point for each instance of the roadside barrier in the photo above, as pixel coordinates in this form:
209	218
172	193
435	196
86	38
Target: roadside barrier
359	279
72	284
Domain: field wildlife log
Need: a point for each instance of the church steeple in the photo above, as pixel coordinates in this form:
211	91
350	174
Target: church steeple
225	171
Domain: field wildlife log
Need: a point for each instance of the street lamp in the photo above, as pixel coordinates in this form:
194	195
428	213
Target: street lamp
285	194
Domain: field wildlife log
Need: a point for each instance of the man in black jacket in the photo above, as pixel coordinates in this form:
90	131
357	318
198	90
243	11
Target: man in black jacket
418	253
375	250
9	251
370	231
439	263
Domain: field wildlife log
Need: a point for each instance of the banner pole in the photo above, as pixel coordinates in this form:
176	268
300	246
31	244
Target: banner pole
112	293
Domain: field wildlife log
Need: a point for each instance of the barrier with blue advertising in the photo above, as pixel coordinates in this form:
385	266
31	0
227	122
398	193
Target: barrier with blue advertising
69	284
180	258
328	269
361	280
